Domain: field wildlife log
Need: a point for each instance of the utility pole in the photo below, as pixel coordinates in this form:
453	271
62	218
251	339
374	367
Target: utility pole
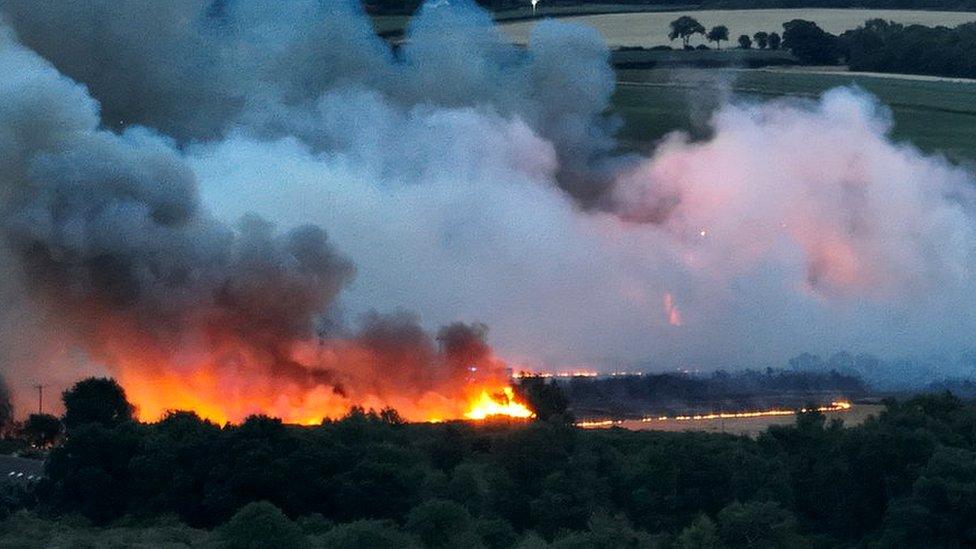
40	398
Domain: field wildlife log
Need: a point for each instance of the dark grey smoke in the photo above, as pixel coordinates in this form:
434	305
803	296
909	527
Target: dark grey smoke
105	233
194	69
105	230
452	170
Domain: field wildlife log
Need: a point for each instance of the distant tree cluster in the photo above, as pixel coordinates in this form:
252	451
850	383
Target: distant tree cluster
686	27
877	46
953	5
880	46
675	393
810	44
905	479
410	6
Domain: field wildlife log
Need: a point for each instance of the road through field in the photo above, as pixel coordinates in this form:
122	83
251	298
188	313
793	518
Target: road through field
651	29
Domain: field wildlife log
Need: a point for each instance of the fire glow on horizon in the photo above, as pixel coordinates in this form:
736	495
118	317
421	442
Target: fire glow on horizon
229	392
840	406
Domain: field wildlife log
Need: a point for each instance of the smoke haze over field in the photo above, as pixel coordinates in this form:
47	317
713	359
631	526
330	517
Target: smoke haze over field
213	190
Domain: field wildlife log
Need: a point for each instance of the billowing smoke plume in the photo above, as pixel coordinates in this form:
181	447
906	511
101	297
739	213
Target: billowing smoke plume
466	179
214	64
108	237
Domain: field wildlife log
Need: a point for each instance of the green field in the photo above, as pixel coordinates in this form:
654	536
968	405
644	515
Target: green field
651	29
938	116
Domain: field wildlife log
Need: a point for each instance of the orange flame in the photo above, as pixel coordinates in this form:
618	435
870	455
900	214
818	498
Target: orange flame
498	404
229	391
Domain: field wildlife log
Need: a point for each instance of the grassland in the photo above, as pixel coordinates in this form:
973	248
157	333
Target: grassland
936	115
651	29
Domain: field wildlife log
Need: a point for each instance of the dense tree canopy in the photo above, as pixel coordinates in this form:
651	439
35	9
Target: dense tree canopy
809	43
369	479
880	46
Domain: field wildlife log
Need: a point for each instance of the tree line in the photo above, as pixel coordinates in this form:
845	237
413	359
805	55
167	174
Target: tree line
402	7
876	46
410	6
903	479
686	27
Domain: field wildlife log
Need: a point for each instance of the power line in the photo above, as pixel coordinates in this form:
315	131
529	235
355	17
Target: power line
40	398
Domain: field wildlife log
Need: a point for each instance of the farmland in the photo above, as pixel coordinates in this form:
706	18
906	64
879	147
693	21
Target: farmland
651	28
750	426
936	115
394	24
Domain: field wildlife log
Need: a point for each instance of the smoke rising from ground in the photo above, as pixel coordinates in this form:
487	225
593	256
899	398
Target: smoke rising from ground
465	178
106	234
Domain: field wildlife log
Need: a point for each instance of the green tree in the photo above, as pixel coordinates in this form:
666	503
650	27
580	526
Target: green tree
41	430
809	43
701	534
718	34
544	397
941	510
756	525
685	27
259	525
375	534
96	400
745	42
89	474
440	523
775	40
761	39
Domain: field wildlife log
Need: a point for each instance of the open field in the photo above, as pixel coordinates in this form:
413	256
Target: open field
749	426
392	24
937	116
651	29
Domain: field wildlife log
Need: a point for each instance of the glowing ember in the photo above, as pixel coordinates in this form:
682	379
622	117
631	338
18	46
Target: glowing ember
498	404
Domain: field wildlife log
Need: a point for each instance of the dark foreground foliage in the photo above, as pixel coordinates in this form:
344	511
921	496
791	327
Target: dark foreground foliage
905	479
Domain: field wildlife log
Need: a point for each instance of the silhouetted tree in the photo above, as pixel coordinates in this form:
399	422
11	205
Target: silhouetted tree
809	43
718	34
685	27
775	40
41	430
89	473
259	525
96	400
546	399
758	524
745	42
701	534
439	523
375	534
6	407
762	39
